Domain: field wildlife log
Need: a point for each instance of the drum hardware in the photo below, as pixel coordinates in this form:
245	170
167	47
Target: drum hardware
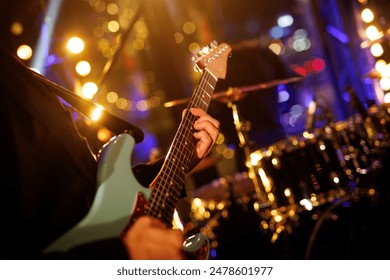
309	125
320	221
213	200
234	94
208	213
378	127
242	128
369	194
351	139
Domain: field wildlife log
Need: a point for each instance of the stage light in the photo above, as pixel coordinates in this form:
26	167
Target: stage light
24	52
112	97
189	27
285	21
380	65
83	68
373	33
385	83
113	26
103	134
387	98
96	114
376	50
122	103
75	45
89	89
112	9
16	28
367	15
179	38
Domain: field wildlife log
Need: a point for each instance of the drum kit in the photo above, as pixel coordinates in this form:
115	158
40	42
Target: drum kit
302	174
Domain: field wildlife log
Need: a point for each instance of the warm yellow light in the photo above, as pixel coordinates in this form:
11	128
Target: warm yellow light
179	38
380	65
387	98
112	97
373	33
75	45
276	48
112	9
138	44
17	28
265	180
143	105
96	114
189	27
385	83
194	47
89	89
122	103
24	52
367	15
83	68
113	26
377	50
104	134
385	71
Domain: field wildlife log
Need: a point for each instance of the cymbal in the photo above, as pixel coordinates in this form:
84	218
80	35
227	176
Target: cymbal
238	93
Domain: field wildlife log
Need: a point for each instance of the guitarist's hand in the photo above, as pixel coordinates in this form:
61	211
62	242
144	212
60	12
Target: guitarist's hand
207	131
150	239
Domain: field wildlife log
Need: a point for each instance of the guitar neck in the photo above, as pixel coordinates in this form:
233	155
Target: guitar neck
171	179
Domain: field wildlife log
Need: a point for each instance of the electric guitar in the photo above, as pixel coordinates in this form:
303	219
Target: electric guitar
120	199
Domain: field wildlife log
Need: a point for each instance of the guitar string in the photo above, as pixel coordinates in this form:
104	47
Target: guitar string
174	169
172	157
187	137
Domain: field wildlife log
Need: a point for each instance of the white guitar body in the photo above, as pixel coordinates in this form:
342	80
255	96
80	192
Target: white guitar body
116	199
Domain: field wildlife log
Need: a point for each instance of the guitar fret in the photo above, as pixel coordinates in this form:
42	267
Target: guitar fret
172	177
174	170
185	147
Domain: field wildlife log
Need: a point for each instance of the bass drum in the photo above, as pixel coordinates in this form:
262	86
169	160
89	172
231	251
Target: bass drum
378	128
300	173
351	138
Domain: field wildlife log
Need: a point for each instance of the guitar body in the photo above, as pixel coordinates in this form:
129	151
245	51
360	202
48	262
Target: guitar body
120	198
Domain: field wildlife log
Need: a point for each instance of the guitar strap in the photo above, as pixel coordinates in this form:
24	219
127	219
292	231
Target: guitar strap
85	107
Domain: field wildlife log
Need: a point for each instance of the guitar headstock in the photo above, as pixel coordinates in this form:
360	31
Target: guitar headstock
214	58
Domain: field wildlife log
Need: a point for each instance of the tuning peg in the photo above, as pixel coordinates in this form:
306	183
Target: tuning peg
213	44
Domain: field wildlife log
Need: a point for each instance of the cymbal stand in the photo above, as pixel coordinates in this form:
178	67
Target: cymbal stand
273	221
242	128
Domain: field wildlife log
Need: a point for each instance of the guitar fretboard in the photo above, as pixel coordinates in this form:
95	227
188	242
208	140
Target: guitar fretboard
170	182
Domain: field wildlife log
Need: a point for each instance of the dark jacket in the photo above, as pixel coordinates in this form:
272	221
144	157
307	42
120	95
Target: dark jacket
48	178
